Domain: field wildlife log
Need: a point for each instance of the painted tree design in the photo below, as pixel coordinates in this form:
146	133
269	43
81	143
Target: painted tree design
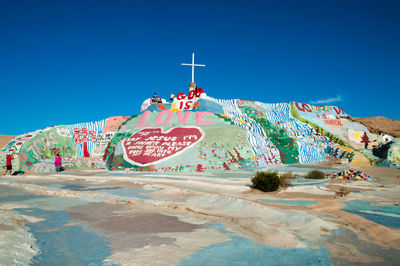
336	153
273	159
365	139
233	160
83	136
226	167
240	158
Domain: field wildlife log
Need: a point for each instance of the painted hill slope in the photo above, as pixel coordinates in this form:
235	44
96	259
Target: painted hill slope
200	133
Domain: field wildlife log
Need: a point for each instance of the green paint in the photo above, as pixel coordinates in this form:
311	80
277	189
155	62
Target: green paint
288	149
226	119
232	138
327	134
45	145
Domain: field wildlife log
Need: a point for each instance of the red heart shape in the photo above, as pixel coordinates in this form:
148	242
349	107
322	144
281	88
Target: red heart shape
150	145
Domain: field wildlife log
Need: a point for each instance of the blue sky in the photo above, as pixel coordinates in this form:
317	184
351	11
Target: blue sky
64	62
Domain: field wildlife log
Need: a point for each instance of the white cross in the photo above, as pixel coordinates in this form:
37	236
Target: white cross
193	65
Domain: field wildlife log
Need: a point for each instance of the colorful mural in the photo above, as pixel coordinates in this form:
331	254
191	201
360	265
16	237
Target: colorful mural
85	136
201	133
151	145
394	152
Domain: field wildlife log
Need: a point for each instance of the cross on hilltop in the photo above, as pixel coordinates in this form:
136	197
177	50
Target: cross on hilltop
193	65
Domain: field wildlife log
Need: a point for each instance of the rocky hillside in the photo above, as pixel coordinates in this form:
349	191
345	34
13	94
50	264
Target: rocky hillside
380	124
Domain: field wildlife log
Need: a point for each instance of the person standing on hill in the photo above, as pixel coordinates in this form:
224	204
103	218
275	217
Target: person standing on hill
8	163
171	99
154	99
57	163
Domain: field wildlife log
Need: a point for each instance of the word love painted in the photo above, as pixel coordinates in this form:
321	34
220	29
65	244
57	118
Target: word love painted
150	145
165	118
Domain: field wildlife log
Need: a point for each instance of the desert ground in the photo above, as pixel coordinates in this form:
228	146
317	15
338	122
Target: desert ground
97	217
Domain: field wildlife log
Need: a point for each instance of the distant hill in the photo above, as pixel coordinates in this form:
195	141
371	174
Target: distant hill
380	124
4	139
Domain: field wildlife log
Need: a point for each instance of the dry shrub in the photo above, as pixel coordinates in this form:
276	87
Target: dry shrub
284	179
342	192
315	174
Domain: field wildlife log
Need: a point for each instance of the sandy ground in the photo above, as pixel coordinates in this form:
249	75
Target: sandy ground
194	219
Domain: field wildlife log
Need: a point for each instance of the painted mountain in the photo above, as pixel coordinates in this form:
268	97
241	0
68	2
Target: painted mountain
196	132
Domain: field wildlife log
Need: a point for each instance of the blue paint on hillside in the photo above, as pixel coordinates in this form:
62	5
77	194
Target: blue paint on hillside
209	106
241	251
387	215
154	107
65	245
292	202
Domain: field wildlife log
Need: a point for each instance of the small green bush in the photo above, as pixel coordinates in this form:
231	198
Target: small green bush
266	181
315	174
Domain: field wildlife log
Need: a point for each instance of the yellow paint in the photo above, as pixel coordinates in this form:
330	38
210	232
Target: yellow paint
359	159
174	108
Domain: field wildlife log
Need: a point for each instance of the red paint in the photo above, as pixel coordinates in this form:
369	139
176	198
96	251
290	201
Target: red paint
199	92
188	105
82	136
338	110
304	107
191	95
151	145
180	96
333	122
199	168
185	105
186	102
